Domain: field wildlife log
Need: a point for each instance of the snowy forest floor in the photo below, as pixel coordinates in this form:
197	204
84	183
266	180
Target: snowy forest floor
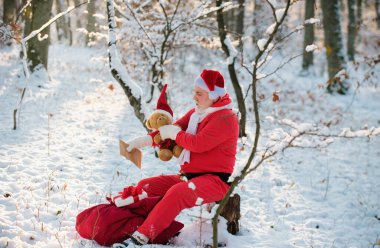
64	157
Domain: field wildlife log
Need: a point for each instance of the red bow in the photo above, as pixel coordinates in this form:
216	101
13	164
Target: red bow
131	191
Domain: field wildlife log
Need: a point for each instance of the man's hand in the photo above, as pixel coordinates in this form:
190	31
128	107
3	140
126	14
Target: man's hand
139	142
169	131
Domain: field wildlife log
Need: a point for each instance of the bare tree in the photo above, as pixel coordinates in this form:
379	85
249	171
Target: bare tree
377	6
157	51
91	21
257	21
359	9
334	46
9	11
118	71
308	34
27	17
246	170
165	31
234	18
62	26
24	41
351	29
38	47
231	54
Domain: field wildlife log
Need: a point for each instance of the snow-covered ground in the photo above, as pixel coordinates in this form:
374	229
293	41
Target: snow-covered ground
64	157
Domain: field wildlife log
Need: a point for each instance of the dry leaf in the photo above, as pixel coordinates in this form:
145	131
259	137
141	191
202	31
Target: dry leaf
275	97
111	87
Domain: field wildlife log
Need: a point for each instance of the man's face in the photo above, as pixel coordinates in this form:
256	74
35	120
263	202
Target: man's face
202	101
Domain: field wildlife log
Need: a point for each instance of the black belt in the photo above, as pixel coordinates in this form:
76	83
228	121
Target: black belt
222	175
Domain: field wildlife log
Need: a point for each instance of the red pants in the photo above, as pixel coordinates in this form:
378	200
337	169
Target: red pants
178	195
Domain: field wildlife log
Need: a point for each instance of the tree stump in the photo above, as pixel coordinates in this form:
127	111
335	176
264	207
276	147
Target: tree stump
231	212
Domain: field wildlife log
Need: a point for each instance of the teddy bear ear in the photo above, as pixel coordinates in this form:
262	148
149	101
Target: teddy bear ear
151	123
147	124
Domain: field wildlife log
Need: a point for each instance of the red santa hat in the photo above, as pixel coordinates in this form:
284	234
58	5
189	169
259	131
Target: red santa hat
162	106
212	82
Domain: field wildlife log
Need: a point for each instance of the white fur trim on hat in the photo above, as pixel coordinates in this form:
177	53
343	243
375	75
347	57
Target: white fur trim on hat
162	112
218	91
200	83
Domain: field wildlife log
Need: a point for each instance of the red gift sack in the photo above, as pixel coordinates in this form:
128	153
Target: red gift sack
108	224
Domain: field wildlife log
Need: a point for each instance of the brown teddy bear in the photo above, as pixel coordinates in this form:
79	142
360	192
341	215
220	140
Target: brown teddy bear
161	116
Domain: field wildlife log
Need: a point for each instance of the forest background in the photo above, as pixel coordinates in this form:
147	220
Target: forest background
303	75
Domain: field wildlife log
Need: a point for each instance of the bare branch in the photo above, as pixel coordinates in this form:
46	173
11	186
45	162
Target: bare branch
131	89
273	10
141	26
175	12
201	16
22	9
282	65
238	179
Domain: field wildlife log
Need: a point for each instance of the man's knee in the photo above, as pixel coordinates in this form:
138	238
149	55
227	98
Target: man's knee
181	194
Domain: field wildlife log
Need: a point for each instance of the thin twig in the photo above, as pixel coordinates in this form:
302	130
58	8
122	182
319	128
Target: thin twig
141	26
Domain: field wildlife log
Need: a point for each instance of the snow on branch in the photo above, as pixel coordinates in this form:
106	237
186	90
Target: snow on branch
140	24
131	89
232	51
301	135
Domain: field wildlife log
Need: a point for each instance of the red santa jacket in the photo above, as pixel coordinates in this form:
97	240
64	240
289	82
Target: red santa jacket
213	147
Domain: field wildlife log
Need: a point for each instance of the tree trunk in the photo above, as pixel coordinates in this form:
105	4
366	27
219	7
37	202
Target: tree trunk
234	19
240	21
38	47
70	33
78	22
91	21
359	9
231	69
239	16
308	35
377	6
260	21
9	11
27	18
62	28
351	30
333	45
119	72
231	212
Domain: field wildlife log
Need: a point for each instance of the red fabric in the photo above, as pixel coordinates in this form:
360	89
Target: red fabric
212	78
108	224
213	147
166	144
131	190
177	195
161	102
152	134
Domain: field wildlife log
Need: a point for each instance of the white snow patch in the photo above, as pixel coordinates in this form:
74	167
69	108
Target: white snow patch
310	48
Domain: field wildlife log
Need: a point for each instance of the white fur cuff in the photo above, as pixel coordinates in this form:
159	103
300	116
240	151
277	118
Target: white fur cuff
169	131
